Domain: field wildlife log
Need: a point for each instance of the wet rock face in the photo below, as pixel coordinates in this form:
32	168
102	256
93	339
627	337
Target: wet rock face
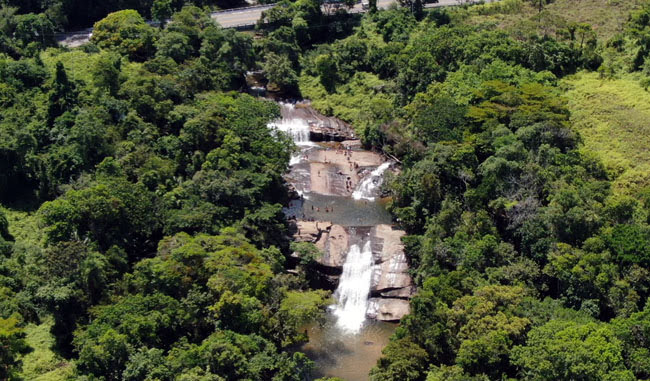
256	82
338	172
321	128
334	244
318	133
310	231
392	286
391	279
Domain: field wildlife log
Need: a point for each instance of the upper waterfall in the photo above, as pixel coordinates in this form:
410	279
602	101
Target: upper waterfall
297	128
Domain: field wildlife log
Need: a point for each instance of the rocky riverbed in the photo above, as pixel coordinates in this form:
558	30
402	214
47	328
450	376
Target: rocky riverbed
337	206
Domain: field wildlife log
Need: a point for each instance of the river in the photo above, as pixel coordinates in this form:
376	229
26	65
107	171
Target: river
341	210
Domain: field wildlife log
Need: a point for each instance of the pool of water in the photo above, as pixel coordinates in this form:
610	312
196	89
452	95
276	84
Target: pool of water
338	353
339	210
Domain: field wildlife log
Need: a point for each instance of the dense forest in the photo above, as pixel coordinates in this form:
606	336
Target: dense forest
141	227
70	14
153	242
528	264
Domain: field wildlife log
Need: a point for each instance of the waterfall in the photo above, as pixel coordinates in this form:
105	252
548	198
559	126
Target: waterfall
354	287
297	128
367	189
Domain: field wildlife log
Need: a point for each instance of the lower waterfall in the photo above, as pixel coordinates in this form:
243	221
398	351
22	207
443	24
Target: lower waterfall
354	288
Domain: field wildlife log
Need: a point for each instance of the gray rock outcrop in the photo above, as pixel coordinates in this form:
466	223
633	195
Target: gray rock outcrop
387	309
391	278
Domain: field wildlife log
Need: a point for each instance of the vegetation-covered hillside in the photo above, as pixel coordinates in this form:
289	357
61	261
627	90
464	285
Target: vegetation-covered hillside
141	228
529	240
74	14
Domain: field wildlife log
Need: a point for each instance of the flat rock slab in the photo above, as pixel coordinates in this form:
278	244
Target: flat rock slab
330	179
356	143
310	231
337	172
343	157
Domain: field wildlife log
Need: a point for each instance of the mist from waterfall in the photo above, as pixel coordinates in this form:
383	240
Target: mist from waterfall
369	187
354	288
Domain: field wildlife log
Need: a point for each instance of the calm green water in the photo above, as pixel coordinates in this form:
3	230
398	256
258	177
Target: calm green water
343	211
340	354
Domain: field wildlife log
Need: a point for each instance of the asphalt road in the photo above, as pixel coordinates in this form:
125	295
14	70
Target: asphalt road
249	16
242	17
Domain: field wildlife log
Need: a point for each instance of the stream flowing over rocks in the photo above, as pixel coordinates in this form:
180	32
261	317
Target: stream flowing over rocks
340	223
338	206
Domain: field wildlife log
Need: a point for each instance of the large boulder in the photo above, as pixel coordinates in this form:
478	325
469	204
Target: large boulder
387	309
389	242
391	278
334	245
310	231
332	240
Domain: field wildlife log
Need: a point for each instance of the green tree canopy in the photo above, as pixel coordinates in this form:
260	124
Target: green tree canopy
569	350
125	32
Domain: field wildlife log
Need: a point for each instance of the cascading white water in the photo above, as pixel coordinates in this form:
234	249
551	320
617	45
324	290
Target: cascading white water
297	128
354	288
295	159
367	189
